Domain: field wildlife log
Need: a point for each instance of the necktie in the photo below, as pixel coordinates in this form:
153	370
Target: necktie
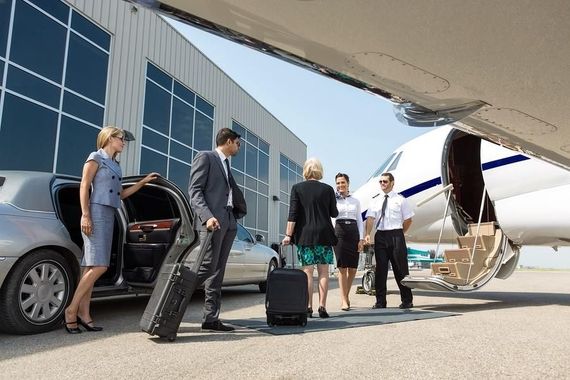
228	168
384	204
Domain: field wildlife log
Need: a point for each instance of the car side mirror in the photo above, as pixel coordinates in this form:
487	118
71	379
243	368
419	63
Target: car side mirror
259	238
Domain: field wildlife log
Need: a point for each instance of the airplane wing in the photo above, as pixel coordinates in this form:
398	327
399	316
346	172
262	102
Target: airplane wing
502	67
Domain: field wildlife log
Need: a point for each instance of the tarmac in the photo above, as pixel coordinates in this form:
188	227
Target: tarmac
514	328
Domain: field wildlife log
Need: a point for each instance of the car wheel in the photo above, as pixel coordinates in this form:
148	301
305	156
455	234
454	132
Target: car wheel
263	285
368	281
35	293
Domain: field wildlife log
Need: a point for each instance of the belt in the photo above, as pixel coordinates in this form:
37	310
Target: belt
346	221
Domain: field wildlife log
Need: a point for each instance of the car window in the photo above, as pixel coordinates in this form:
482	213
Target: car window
151	203
243	234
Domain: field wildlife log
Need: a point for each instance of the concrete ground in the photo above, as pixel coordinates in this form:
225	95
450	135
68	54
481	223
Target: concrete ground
515	328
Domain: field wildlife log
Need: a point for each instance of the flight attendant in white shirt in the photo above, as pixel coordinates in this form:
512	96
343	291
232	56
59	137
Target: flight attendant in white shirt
349	230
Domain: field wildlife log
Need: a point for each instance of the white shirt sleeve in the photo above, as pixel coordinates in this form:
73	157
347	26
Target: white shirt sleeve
359	222
407	211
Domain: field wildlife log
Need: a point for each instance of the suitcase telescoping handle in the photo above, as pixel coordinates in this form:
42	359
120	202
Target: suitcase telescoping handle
282	253
203	248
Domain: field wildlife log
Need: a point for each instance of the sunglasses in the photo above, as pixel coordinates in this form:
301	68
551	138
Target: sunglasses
384	181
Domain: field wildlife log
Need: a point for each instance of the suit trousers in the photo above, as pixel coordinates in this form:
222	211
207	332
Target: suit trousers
390	247
213	267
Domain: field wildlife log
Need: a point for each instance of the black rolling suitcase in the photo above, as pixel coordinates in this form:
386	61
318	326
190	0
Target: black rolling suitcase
171	296
287	296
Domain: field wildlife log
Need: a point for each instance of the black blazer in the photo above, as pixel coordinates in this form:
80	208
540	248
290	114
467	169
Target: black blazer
311	207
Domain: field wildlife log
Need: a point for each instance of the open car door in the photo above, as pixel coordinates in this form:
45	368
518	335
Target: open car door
159	230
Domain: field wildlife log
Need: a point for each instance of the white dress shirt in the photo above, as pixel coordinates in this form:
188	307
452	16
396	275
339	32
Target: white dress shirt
397	210
349	208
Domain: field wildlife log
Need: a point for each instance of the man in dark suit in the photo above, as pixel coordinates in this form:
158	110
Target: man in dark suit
217	202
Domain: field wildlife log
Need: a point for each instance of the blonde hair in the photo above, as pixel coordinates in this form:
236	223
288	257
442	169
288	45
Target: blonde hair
313	169
105	135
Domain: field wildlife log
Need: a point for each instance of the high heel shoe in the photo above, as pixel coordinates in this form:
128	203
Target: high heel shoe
310	312
71	330
87	325
323	312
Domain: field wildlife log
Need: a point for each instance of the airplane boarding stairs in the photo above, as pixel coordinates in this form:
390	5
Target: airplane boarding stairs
482	254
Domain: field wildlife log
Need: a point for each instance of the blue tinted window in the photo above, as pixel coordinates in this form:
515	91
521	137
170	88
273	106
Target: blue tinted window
90	30
181	152
159	76
264	146
55	8
250	160
1	72
156	108
86	69
154	140
152	162
27	133
38	43
238	129
205	107
33	87
238	161
76	106
251	200
250	183
253	140
263	168
203	134
179	173
283	179
182	122
283	160
262	212
184	93
5	7
262	188
76	141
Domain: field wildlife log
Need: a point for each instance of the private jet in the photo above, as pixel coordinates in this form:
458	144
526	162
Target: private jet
485	199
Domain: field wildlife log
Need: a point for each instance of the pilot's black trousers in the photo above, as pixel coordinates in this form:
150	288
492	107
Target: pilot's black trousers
390	246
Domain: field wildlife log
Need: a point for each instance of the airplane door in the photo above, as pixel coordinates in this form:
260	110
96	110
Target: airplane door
529	195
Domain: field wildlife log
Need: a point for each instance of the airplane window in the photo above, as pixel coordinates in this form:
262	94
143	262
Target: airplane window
394	163
380	170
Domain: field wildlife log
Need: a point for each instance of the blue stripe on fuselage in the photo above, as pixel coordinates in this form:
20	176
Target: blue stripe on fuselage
486	166
504	161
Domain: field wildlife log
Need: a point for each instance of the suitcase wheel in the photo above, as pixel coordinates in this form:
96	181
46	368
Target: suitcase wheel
171	337
303	320
270	321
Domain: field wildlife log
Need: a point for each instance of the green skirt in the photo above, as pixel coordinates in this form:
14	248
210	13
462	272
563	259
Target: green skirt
315	254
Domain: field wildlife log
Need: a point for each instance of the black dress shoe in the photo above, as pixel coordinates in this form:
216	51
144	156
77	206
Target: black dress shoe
71	330
379	306
323	312
406	305
216	326
87	325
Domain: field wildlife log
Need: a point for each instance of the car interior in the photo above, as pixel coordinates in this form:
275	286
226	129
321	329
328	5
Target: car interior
139	248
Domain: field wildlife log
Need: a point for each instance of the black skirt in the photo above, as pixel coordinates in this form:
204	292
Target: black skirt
346	251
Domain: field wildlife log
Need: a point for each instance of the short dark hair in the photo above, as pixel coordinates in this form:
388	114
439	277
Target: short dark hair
226	134
342	175
389	175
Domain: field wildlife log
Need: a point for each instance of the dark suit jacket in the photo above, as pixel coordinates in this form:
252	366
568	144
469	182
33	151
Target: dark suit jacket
209	188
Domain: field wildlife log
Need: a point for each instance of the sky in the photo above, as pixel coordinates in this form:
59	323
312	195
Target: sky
349	130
